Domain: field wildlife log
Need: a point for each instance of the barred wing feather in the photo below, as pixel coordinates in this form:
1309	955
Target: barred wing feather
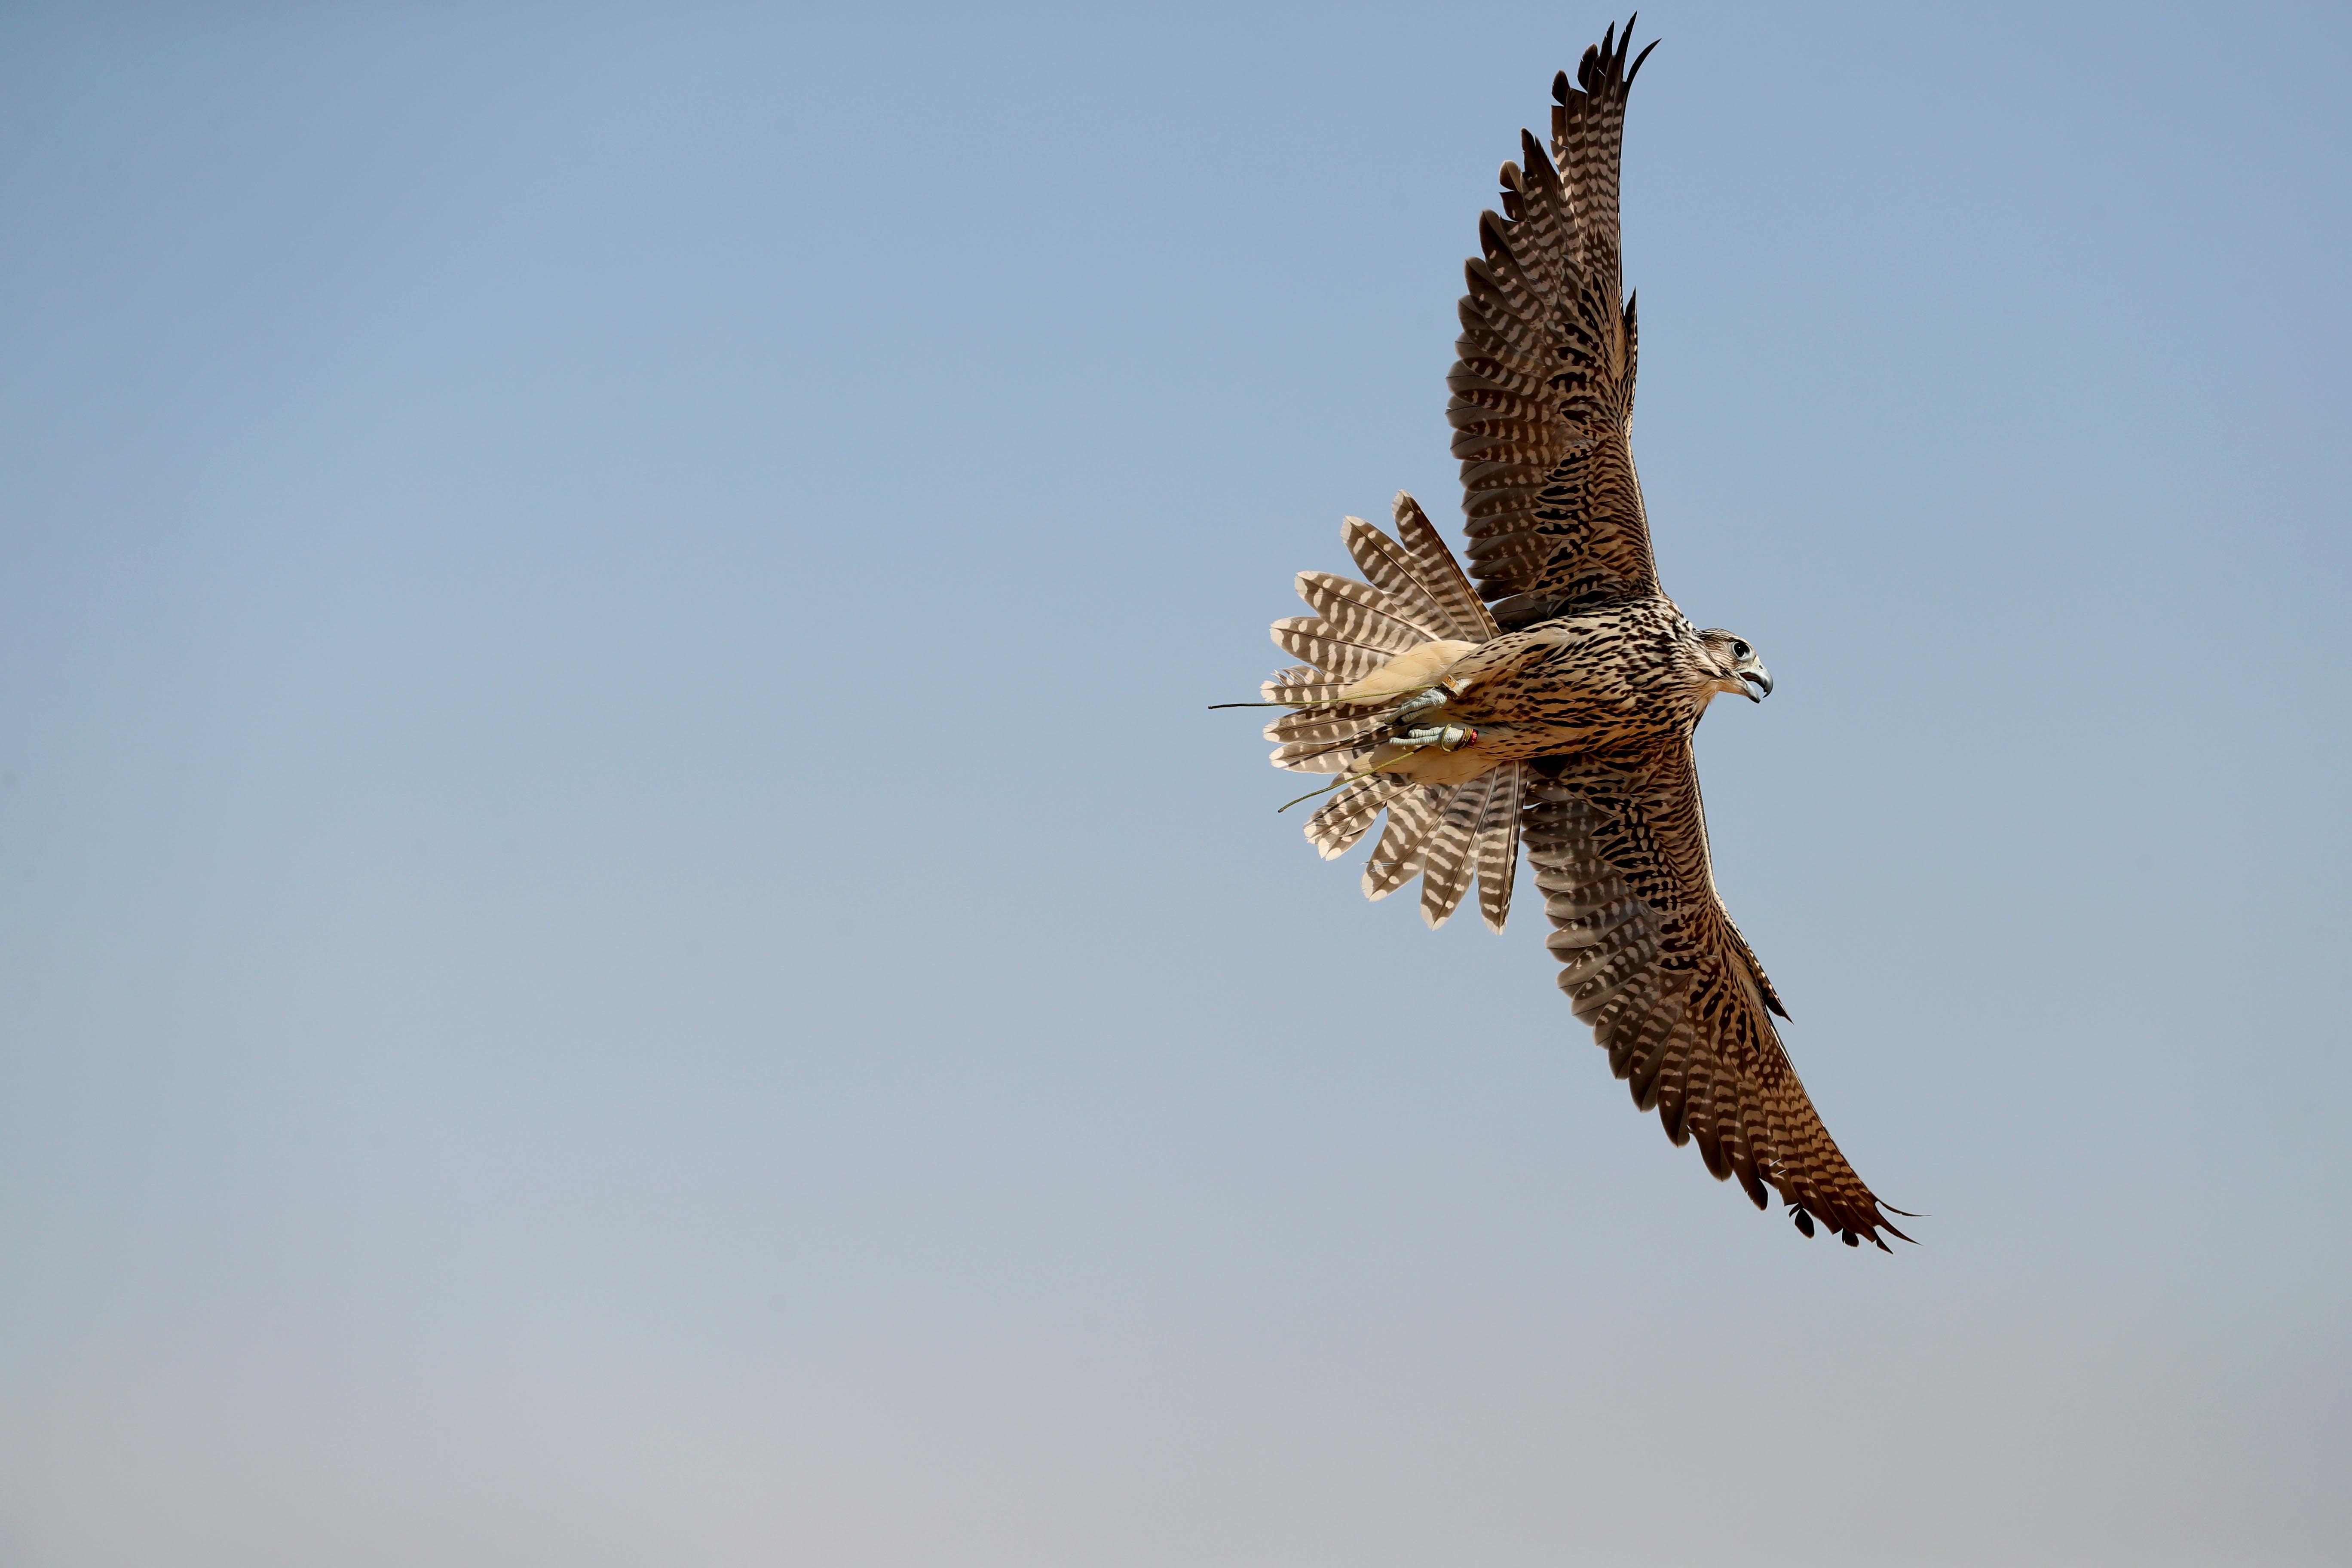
1652	961
1543	386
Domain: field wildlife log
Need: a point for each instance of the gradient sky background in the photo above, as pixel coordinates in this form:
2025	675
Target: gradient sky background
625	941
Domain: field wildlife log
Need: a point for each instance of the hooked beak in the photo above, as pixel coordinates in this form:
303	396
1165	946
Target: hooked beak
1761	677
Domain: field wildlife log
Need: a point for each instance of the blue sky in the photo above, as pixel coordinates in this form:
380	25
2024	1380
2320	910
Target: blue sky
624	938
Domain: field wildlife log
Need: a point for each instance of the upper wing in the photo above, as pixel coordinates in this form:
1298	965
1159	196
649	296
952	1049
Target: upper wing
1671	988
1543	389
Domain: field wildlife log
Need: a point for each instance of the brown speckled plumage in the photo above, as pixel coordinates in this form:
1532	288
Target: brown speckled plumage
1554	702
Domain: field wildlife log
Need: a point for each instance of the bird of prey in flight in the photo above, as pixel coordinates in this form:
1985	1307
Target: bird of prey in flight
1553	703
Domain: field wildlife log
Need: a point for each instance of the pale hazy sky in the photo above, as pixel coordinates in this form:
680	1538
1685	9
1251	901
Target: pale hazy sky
624	940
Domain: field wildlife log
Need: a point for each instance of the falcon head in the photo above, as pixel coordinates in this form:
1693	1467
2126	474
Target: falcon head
1736	666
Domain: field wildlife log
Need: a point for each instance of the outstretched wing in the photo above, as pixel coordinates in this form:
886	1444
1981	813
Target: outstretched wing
1543	389
1670	987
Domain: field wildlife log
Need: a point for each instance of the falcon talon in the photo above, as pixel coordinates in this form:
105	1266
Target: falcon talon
1445	737
1414	707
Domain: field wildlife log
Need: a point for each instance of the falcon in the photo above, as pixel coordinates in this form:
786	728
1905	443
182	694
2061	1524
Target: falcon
1549	697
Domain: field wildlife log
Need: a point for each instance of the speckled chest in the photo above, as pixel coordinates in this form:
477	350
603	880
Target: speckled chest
1628	674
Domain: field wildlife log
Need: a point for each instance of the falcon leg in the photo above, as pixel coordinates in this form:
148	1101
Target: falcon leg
1445	737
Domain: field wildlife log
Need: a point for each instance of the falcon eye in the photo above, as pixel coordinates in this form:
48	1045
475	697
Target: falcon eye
1740	650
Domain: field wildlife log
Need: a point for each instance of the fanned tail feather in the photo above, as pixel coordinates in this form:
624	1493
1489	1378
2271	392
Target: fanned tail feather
1324	723
1334	829
1358	613
1449	855
1499	844
1317	756
1300	684
1440	575
1319	643
1396	858
1450	836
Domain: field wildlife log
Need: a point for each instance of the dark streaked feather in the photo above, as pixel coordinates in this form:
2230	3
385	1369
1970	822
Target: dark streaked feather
1543	383
1651	961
